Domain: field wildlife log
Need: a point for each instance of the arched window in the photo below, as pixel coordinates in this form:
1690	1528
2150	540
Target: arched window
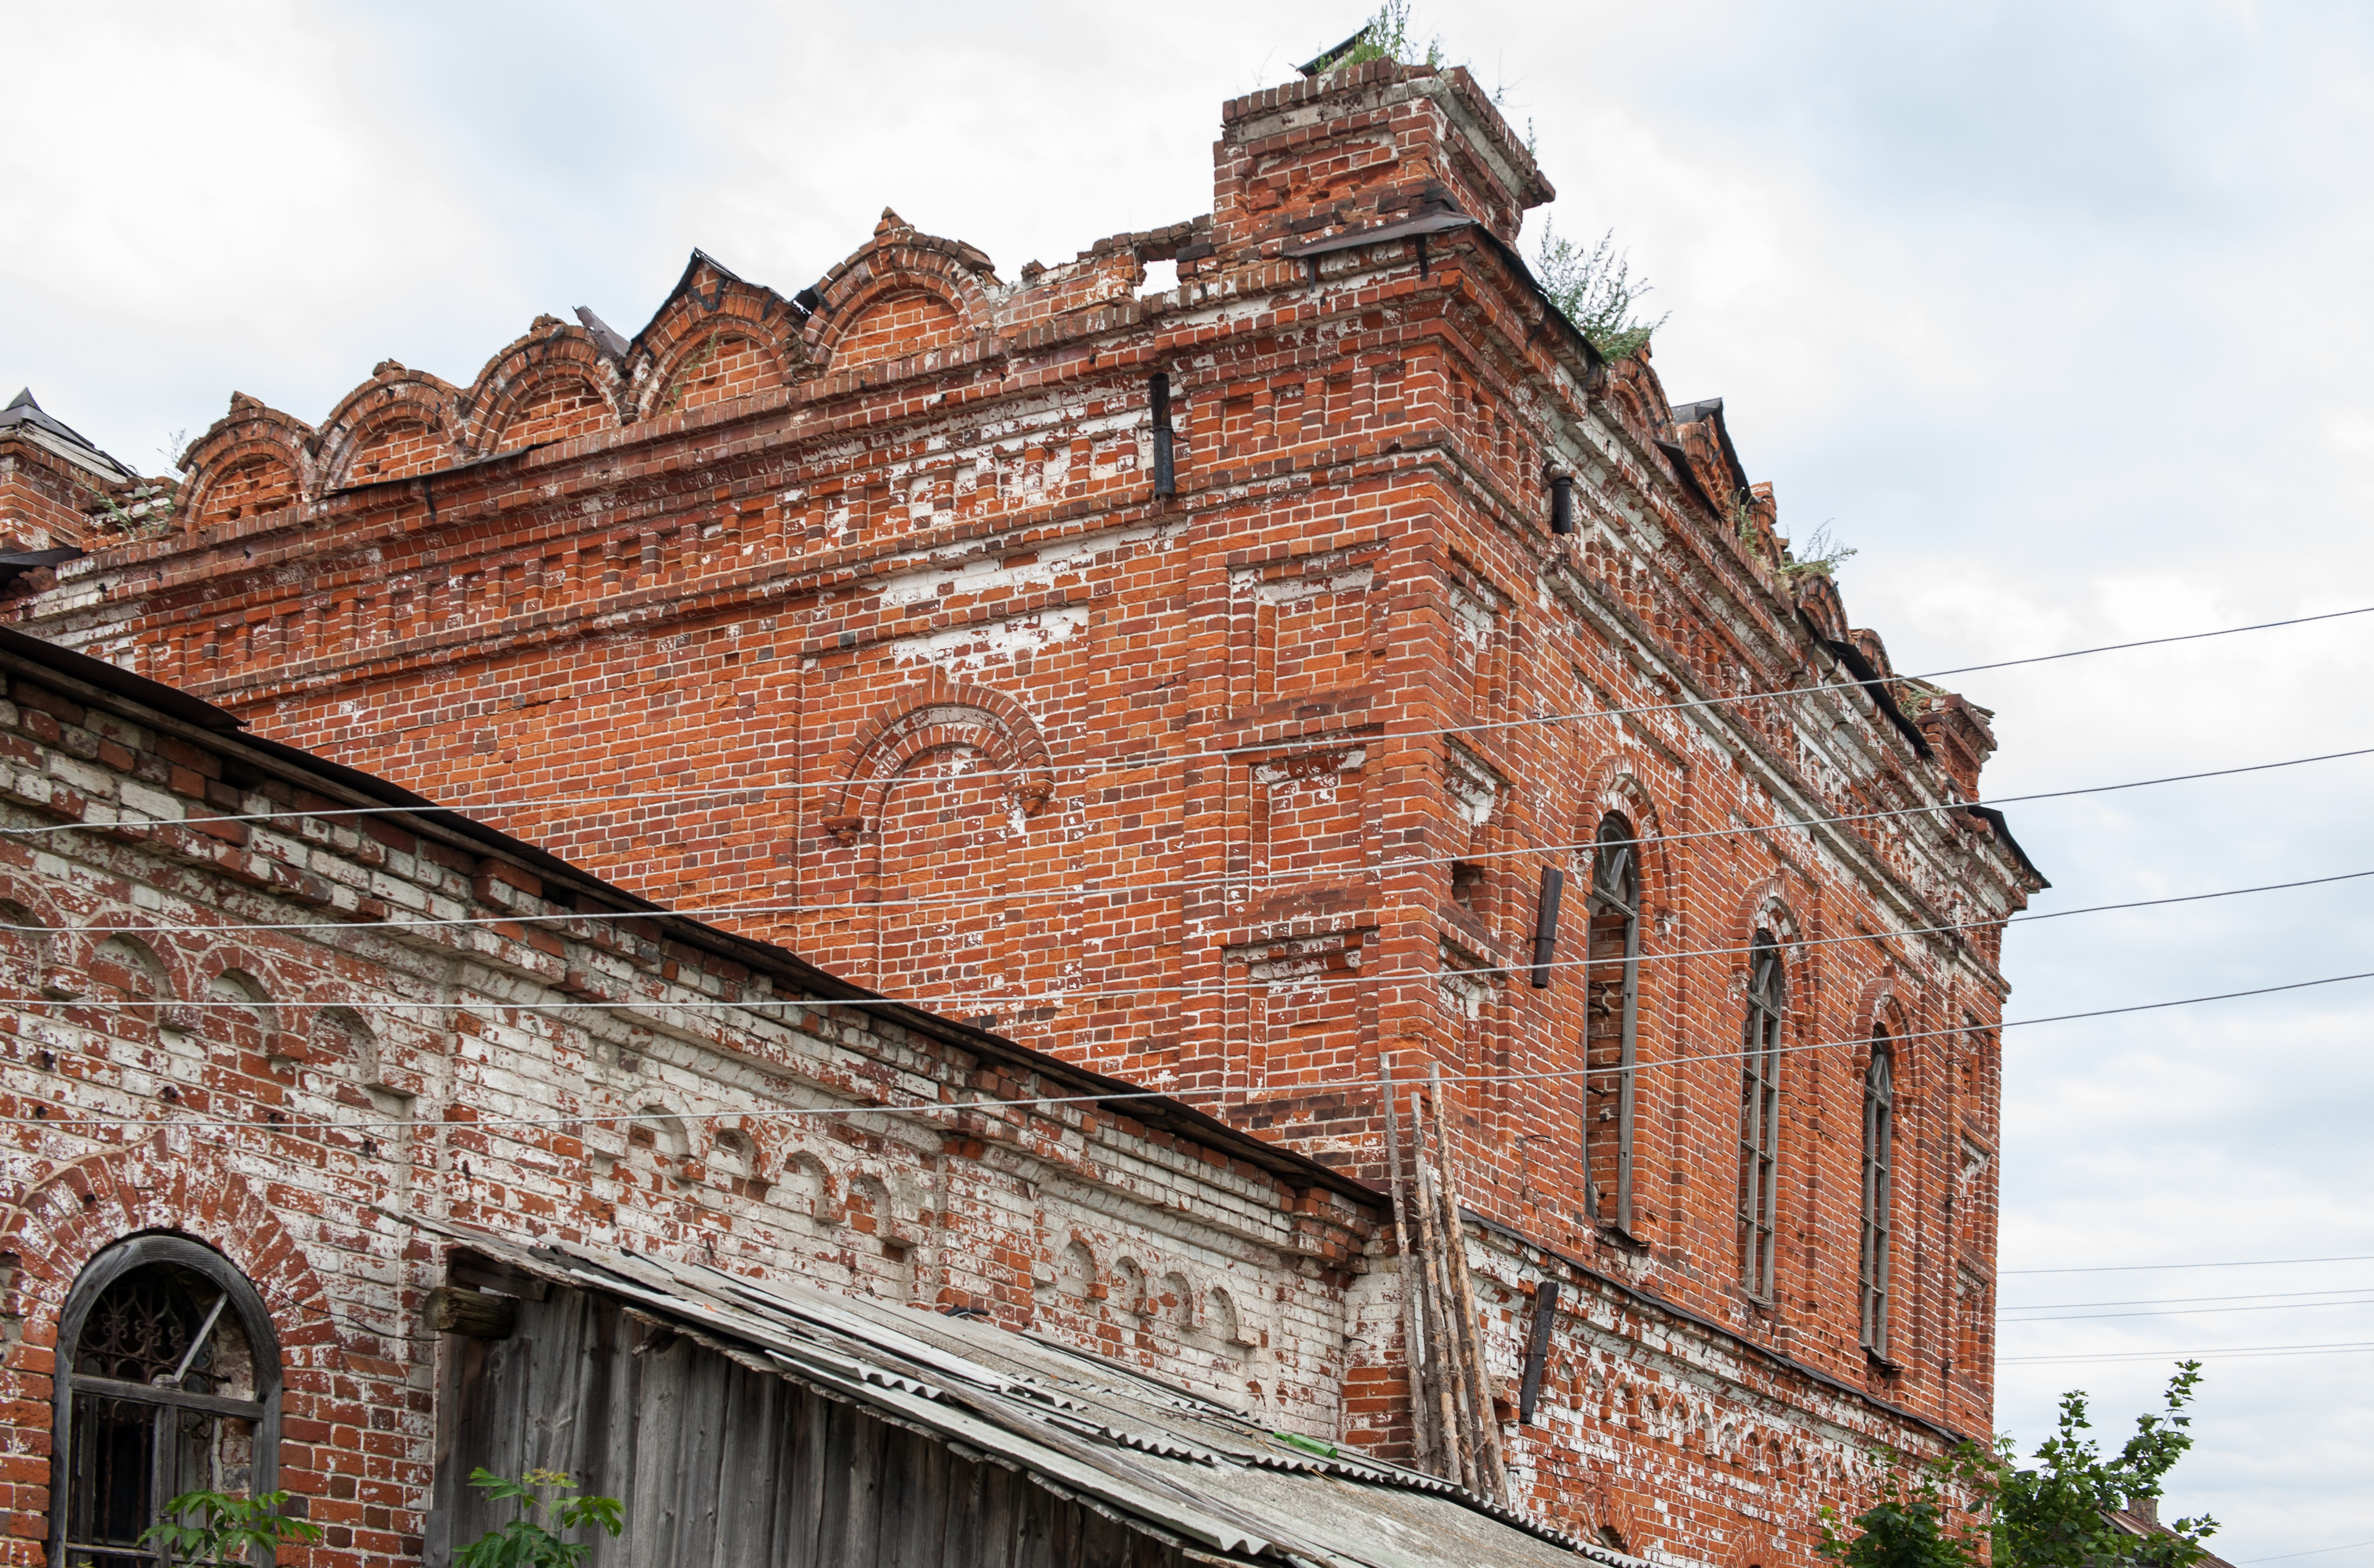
1759	1115
1878	1189
1611	1045
168	1381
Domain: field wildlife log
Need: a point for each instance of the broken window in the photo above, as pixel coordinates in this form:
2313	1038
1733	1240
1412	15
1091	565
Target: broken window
1878	1190
169	1382
1612	1030
1759	1117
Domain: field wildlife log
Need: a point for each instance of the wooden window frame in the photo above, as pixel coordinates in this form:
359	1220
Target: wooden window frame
1616	891
1877	1261
1759	1117
239	1299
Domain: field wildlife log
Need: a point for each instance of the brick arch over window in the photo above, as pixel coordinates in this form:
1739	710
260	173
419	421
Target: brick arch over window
716	339
1766	908
900	297
1879	1007
399	423
1616	787
253	461
552	384
941	717
167	1183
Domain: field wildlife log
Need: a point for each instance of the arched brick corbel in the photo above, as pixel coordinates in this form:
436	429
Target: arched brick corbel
551	353
393	397
254	461
934	718
709	297
899	260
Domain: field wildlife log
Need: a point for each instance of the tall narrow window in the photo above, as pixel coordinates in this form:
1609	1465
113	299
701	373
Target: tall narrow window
1612	1030
1878	1190
1759	1115
168	1381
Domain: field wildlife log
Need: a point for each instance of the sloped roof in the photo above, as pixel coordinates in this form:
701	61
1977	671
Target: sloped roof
1184	1465
27	419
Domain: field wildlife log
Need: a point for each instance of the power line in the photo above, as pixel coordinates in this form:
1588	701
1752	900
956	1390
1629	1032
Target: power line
1145	759
1009	1000
2240	1352
1399	734
1225	883
919	1107
2245	1263
2313	1551
2193	1311
2180	1301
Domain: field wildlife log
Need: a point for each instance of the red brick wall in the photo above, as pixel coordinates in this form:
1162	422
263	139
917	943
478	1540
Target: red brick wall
951	703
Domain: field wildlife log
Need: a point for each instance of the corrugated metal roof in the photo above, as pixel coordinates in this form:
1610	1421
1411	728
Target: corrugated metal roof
1187	1466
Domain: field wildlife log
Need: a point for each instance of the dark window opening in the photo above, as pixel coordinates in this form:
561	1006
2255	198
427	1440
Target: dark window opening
1878	1191
1467	886
1759	1117
169	1382
1612	1032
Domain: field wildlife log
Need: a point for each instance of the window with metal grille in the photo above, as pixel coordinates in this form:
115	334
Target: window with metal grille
1759	1115
168	1381
1878	1190
1611	1043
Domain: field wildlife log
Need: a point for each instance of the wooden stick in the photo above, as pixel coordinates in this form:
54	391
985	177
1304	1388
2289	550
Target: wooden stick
1455	1232
1422	1435
1458	1452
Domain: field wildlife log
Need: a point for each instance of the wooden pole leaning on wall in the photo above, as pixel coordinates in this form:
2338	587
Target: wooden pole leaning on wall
1456	1433
1495	1475
1424	1434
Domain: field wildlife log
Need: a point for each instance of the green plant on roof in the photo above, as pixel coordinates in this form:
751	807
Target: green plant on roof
1388	36
1594	290
1819	556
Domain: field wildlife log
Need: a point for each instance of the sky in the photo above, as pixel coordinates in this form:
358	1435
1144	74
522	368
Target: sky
2058	313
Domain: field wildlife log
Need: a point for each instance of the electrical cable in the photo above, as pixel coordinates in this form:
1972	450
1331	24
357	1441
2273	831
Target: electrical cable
2238	1352
2180	1301
1123	993
2313	1551
1183	1096
2136	1268
1150	760
1227	884
2191	1312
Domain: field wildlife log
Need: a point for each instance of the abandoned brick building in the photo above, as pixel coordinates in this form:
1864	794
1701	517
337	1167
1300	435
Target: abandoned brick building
1311	663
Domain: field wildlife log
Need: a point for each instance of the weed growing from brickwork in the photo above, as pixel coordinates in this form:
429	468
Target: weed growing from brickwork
1387	37
1596	291
1819	556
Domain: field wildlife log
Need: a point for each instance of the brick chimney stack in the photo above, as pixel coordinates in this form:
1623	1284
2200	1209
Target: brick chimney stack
1362	146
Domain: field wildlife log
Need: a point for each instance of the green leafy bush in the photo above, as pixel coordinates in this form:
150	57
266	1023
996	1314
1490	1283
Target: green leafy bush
528	1541
229	1528
2054	1513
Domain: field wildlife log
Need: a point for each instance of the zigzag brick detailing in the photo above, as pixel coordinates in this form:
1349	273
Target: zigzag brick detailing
864	604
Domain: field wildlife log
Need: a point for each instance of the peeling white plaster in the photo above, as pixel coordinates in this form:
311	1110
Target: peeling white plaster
966	648
1040	567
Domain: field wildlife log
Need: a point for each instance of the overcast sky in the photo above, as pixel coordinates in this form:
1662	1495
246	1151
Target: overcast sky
2060	313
